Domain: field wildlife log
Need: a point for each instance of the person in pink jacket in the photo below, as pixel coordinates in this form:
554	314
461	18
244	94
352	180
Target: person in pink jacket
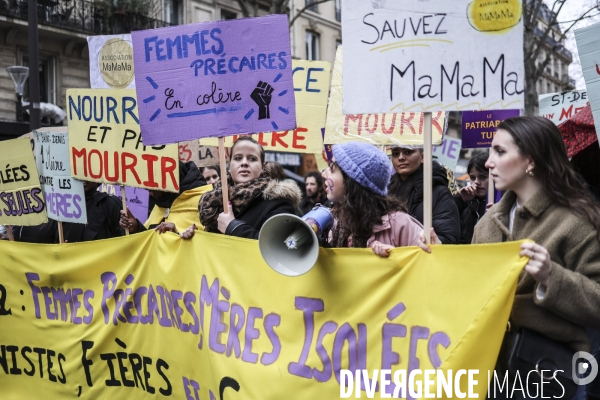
364	215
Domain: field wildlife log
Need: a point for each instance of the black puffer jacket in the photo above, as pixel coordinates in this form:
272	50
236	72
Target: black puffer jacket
446	219
470	214
279	197
103	213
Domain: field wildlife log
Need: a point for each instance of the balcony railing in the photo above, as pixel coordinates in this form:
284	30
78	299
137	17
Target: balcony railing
89	17
553	44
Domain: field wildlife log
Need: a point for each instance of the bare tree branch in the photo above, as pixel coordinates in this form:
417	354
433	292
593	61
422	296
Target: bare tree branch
306	7
280	6
244	6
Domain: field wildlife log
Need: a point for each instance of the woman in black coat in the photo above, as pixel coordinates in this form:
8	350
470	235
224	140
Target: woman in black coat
471	200
407	185
253	196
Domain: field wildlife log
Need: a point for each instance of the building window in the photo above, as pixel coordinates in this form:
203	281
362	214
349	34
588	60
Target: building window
338	10
312	45
174	12
314	7
227	15
47	73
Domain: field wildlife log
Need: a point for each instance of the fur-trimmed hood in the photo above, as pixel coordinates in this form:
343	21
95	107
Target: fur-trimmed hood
286	190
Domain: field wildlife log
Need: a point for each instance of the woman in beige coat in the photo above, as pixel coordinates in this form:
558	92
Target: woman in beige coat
558	295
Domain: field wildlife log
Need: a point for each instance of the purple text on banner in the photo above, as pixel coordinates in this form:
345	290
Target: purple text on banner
214	79
479	127
137	199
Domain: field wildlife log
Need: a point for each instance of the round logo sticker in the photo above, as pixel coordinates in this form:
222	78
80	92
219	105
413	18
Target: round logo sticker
115	63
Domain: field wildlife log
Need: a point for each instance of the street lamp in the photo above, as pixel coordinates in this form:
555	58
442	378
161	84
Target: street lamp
19	76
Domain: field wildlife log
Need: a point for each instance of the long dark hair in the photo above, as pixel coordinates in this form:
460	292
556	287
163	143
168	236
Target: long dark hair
540	139
478	162
359	212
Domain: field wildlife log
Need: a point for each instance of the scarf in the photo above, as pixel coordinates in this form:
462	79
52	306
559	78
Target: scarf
240	195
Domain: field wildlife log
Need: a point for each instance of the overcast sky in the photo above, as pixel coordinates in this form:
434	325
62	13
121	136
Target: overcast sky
571	11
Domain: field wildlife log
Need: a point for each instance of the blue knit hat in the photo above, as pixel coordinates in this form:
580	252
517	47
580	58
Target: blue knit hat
365	164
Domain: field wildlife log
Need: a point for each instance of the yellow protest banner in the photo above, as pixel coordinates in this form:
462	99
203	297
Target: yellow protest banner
404	128
105	143
311	88
21	198
191	319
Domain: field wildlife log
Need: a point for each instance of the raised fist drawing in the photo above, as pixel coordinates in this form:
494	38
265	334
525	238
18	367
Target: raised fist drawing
262	97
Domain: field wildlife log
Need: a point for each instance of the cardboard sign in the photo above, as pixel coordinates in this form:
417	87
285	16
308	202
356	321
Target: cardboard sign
588	46
214	79
188	151
559	107
448	153
137	199
433	55
311	90
21	197
111	62
65	197
384	129
209	155
479	127
106	146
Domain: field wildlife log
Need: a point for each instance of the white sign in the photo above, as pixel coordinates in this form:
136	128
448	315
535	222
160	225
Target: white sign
111	62
434	55
588	45
449	152
65	198
559	107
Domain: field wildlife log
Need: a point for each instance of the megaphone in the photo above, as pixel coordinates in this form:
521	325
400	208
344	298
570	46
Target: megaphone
298	253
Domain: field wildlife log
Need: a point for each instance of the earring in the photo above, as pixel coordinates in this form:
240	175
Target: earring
529	172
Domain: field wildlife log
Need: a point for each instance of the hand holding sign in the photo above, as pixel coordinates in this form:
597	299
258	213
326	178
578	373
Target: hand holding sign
225	218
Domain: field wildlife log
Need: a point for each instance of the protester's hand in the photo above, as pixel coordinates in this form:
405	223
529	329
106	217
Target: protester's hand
468	193
433	240
189	232
166	227
488	206
539	265
382	250
128	221
225	219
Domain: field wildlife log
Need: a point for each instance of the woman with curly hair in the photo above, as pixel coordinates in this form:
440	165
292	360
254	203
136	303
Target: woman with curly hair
364	215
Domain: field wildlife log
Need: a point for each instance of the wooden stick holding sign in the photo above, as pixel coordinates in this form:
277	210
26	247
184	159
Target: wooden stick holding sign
61	235
427	176
124	200
9	232
222	163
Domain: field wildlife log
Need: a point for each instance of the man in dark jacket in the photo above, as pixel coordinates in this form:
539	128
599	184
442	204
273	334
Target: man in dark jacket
471	200
102	214
315	193
407	185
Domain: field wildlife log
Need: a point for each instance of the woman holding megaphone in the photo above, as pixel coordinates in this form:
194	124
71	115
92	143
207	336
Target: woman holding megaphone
558	296
254	196
364	215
